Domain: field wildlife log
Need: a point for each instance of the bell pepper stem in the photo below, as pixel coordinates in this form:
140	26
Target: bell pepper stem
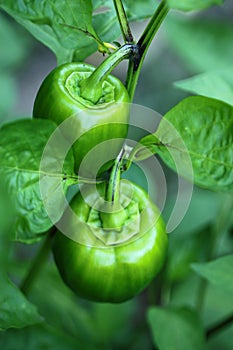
113	188
38	261
122	19
91	88
143	45
113	215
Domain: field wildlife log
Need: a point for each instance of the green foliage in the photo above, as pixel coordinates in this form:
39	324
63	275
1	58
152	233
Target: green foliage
68	28
16	310
218	272
214	84
176	328
203	45
192	130
20	156
37	338
187	5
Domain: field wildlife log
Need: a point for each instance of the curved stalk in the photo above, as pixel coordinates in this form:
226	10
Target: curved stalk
91	88
144	42
122	19
38	261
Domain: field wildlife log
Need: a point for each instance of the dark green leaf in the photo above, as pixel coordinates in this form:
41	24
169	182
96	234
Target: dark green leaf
218	272
15	310
190	5
176	329
184	250
91	323
215	84
201	128
203	45
21	147
42	337
6	222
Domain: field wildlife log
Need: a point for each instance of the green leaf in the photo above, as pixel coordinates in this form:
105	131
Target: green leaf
38	338
217	272
214	84
6	221
202	129
15	310
91	323
21	147
185	250
65	25
190	5
176	329
57	24
203	45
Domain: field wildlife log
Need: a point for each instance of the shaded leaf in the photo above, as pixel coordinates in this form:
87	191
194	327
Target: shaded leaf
185	250
190	5
218	272
38	338
21	147
214	84
15	310
176	329
201	43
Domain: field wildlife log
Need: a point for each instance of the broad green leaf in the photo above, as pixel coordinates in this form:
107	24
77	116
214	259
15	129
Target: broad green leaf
190	5
21	147
65	26
41	337
219	271
57	24
176	329
201	128
214	84
203	45
15	310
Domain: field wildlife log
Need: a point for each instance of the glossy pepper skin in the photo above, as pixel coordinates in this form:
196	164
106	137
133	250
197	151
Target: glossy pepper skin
113	265
59	98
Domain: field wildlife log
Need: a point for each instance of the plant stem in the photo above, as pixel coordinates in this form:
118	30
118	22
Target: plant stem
112	194
91	88
113	215
219	326
220	226
37	263
124	24
144	42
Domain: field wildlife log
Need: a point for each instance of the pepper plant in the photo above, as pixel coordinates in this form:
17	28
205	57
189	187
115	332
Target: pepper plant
87	259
